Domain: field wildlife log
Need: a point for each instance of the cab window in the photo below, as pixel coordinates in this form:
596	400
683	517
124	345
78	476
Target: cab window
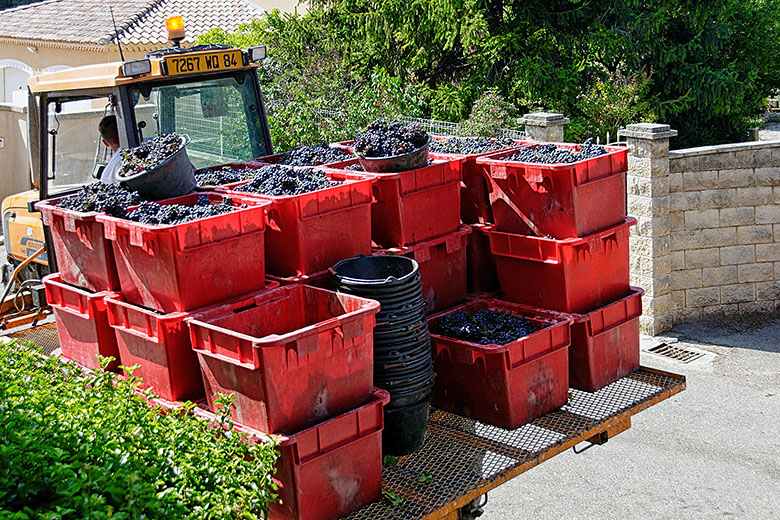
221	116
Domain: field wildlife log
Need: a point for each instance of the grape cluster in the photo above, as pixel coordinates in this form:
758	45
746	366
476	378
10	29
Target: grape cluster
357	167
108	198
551	154
226	175
170	214
313	155
384	138
149	154
470	145
485	327
279	180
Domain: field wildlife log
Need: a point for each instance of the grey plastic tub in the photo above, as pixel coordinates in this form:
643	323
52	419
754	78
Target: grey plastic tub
171	178
397	163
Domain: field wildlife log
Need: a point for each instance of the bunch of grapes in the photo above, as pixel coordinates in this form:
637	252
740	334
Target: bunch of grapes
170	214
486	327
357	167
313	155
470	145
226	175
108	198
551	154
149	154
279	180
384	138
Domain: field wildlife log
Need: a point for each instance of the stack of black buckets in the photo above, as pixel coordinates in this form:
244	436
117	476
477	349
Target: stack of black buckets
402	354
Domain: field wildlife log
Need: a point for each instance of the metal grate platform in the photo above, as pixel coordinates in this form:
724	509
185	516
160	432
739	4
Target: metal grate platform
44	335
467	458
675	352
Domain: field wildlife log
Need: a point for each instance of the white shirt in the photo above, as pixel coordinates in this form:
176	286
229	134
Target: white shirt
110	173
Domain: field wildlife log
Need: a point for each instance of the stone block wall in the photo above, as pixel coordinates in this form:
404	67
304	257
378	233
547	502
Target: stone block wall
724	219
707	241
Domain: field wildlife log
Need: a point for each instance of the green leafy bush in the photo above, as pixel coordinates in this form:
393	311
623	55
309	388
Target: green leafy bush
709	65
75	445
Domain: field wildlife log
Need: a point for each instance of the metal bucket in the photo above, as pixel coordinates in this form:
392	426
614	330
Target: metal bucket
171	178
397	163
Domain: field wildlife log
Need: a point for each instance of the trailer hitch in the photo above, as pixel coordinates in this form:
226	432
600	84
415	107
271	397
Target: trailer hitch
473	509
613	428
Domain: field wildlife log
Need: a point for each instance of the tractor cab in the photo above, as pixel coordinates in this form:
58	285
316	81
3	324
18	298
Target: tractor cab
209	92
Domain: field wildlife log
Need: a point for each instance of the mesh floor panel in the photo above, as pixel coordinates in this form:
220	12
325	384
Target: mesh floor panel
463	455
45	336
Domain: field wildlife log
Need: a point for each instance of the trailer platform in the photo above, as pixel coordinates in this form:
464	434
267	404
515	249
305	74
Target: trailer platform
462	459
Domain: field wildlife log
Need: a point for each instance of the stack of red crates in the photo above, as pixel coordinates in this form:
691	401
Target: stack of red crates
129	290
416	213
560	242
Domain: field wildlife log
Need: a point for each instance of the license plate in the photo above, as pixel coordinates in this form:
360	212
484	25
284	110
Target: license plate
183	64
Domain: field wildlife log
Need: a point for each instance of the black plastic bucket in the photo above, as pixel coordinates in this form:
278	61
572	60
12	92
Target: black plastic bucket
376	274
393	354
408	396
171	178
404	431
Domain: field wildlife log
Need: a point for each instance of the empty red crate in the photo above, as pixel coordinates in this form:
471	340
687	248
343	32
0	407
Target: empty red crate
293	355
333	468
414	206
482	275
190	265
310	232
323	280
84	257
568	275
474	201
503	385
82	323
442	265
561	200
160	345
605	343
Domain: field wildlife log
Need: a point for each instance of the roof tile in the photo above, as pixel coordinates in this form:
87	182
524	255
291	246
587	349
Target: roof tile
138	21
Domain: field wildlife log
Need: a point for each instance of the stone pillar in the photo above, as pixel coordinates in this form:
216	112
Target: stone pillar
546	127
647	184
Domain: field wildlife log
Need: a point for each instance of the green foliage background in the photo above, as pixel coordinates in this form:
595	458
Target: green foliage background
703	67
77	445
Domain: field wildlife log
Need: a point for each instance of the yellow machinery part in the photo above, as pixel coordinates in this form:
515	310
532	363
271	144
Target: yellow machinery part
23	230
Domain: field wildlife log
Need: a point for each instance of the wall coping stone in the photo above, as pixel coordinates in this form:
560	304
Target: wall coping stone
647	131
545	119
7	107
722	148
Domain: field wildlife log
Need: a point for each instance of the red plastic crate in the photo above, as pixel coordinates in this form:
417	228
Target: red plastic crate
323	280
310	232
503	385
442	265
605	343
160	345
482	275
293	356
84	257
474	201
561	200
190	265
82	322
568	275
334	468
414	206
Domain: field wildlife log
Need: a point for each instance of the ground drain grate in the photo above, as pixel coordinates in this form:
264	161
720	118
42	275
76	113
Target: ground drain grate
681	354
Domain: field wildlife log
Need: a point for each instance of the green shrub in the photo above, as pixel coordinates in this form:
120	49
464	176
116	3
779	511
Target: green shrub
79	445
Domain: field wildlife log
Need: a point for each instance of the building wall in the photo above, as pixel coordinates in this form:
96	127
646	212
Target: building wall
724	224
14	164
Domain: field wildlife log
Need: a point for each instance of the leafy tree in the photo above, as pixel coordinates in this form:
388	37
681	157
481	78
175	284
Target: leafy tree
703	67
